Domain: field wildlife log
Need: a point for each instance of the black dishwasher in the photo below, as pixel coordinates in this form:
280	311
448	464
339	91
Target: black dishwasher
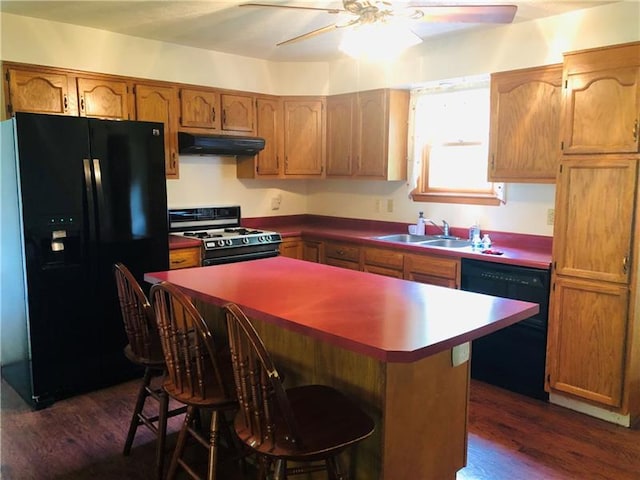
514	357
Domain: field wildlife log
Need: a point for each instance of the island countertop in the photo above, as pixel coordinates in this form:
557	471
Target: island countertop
385	318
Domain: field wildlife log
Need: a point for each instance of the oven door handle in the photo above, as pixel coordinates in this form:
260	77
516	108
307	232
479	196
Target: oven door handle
239	257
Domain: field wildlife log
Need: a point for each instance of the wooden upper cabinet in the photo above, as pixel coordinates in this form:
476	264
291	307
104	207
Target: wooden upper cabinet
367	135
103	98
40	91
200	109
304	134
269	127
340	134
381	134
237	113
595	217
602	100
524	133
156	103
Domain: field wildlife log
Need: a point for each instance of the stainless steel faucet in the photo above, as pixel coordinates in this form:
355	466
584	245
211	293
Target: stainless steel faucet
444	228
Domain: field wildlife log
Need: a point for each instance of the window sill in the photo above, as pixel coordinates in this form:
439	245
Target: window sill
467	198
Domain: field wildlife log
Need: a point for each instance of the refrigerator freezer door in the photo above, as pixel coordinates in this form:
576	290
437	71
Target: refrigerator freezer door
62	330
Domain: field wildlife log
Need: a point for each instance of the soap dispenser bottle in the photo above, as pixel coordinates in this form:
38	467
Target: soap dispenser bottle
420	225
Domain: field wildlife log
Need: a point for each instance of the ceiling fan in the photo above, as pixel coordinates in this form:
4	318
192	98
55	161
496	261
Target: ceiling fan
366	12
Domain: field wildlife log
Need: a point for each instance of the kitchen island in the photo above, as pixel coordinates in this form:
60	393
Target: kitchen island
397	347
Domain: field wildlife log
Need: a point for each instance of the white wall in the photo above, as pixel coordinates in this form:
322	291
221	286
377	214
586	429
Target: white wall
212	180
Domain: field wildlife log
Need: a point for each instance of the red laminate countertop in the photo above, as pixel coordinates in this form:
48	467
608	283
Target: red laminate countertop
179	241
516	249
389	319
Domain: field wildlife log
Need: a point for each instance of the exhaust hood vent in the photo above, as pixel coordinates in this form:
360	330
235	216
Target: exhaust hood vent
218	144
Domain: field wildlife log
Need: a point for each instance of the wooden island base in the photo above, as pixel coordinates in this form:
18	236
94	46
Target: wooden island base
420	408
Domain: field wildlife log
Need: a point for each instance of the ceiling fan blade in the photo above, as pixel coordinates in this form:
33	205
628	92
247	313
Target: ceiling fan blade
467	13
304	36
328	10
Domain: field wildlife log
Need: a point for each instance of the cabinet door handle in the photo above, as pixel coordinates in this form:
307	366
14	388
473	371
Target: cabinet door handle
82	103
625	264
213	114
635	131
65	102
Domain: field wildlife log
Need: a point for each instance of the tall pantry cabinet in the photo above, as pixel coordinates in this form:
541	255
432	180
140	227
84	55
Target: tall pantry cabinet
593	352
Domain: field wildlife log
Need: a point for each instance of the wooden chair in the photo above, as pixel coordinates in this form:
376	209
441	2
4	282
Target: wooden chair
303	424
144	349
199	375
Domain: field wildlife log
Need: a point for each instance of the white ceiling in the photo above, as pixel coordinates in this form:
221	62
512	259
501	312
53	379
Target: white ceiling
223	26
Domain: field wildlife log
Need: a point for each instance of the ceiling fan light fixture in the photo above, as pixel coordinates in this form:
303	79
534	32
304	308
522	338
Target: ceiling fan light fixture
379	41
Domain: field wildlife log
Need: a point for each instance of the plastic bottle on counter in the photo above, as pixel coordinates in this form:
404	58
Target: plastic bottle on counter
486	241
473	231
420	225
476	243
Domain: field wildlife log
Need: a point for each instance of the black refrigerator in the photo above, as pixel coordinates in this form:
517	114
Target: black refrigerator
78	195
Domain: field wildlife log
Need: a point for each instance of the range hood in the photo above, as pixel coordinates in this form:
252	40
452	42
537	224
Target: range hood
197	144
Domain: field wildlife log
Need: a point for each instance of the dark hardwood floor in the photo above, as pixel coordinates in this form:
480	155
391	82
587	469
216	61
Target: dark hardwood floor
511	438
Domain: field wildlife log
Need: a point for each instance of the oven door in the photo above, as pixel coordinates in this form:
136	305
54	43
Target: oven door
231	257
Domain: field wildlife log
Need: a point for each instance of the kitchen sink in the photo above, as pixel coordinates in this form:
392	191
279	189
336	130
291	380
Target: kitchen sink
405	238
447	243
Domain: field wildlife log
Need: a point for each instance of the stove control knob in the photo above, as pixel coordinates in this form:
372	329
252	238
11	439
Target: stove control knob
245	240
229	242
221	243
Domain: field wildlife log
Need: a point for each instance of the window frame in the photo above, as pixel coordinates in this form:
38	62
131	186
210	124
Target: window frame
422	192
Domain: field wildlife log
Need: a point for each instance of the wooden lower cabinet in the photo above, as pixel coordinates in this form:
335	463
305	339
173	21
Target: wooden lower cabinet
383	262
291	247
432	269
185	257
312	251
342	255
587	348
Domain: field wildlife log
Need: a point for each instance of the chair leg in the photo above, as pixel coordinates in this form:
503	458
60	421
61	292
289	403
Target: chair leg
214	434
135	419
182	438
162	433
334	469
280	470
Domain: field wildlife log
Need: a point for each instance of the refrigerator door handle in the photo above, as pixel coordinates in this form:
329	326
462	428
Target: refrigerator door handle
88	185
104	221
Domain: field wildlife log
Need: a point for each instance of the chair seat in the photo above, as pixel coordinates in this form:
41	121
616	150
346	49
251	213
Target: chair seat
155	363
328	422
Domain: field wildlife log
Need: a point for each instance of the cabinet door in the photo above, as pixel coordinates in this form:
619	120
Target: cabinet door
340	134
200	109
269	124
524	134
601	109
291	247
587	339
373	136
303	137
184	257
433	270
103	98
601	112
594	218
160	104
383	262
312	251
237	113
41	92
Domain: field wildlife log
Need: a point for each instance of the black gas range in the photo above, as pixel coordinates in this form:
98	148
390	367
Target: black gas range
223	239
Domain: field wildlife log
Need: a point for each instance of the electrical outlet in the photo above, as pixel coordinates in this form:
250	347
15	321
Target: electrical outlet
551	216
390	205
275	202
